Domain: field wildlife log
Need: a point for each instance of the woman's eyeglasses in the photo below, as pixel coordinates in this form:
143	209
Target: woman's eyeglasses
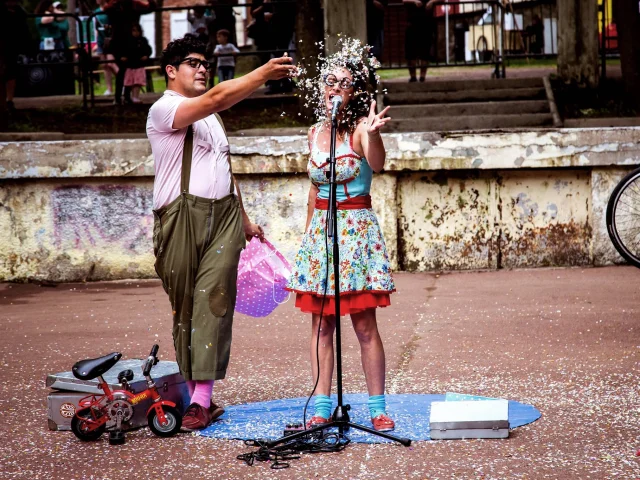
195	63
345	84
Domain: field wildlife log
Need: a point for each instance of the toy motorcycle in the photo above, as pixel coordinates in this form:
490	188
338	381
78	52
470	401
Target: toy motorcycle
98	413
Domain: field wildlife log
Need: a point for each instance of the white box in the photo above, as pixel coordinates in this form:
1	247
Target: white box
469	419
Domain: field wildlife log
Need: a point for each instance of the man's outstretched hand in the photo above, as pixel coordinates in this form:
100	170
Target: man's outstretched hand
279	68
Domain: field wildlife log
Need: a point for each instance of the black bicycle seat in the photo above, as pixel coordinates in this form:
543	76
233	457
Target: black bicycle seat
94	367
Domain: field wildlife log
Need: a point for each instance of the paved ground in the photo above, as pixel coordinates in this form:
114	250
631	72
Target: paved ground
564	340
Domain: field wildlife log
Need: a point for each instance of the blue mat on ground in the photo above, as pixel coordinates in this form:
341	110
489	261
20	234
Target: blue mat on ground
410	411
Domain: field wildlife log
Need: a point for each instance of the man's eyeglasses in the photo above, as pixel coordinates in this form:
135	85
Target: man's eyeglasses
330	80
195	63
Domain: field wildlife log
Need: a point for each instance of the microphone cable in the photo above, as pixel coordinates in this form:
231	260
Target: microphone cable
320	442
324	297
280	455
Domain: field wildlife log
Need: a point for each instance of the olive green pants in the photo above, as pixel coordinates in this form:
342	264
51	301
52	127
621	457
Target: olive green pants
197	244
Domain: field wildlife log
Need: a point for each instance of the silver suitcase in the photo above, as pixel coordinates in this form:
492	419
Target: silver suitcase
67	390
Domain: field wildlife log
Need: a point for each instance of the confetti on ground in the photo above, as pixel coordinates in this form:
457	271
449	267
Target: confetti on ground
494	334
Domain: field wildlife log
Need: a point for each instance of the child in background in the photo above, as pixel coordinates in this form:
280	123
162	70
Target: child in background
225	52
138	52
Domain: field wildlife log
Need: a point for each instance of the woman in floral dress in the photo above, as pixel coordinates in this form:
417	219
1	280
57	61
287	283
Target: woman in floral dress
365	275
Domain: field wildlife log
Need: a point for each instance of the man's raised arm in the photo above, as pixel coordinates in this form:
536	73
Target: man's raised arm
226	94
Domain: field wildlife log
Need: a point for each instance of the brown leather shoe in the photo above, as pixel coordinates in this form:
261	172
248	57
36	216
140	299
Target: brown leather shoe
196	417
215	411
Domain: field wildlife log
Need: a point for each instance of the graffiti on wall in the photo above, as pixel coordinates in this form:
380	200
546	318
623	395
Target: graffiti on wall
111	215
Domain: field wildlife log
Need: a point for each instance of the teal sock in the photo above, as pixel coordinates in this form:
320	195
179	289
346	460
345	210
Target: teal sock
322	406
377	405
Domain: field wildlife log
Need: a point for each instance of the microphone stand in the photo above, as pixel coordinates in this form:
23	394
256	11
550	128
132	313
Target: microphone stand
340	416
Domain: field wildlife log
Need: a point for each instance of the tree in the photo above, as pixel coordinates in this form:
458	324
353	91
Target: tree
578	42
627	19
344	18
309	31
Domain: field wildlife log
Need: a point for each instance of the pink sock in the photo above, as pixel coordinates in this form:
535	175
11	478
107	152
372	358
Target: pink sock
202	393
191	386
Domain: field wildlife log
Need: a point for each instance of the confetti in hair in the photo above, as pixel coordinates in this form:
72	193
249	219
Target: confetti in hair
353	56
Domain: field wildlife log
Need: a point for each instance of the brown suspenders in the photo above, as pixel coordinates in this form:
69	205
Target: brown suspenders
187	155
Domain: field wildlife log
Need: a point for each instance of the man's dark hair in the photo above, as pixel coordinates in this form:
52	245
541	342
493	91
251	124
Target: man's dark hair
180	49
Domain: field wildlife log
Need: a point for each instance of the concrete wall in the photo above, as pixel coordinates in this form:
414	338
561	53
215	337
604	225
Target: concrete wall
81	210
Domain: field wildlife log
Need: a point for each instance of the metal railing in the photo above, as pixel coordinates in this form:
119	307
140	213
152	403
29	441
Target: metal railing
263	54
41	63
80	56
456	33
471	33
460	33
531	29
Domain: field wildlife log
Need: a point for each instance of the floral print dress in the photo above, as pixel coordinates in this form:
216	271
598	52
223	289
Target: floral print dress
365	275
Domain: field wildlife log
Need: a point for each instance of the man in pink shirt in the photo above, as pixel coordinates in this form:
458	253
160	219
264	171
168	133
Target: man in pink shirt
200	225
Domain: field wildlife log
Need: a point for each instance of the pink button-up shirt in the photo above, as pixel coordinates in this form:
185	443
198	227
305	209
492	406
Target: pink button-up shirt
210	175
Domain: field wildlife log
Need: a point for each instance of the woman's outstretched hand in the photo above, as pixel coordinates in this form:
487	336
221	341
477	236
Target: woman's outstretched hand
375	122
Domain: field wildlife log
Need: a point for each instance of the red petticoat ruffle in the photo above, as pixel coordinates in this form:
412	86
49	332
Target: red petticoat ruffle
350	303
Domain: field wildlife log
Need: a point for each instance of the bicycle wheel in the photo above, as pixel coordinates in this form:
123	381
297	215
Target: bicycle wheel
174	422
623	217
80	426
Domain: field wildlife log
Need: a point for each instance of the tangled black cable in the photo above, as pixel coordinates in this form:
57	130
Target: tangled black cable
324	297
280	455
318	442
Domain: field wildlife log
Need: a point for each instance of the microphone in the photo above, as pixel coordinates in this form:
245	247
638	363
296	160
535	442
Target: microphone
336	101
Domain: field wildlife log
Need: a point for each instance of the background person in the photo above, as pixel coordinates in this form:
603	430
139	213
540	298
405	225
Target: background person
200	224
200	20
225	53
53	31
139	51
535	34
225	19
123	15
14	32
272	29
375	26
260	28
282	29
365	274
418	36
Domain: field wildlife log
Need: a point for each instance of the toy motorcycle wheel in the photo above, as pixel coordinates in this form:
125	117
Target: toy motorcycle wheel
80	428
174	422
